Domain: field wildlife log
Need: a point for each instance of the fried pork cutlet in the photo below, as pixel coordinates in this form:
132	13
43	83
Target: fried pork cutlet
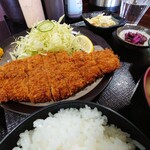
72	79
54	76
3	93
39	89
14	81
87	66
106	60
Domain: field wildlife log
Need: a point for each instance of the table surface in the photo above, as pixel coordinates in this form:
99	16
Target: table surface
123	94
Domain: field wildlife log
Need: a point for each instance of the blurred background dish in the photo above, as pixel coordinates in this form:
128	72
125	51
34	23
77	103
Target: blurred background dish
138	40
111	5
102	29
141	141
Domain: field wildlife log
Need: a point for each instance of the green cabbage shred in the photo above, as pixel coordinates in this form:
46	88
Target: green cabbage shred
60	37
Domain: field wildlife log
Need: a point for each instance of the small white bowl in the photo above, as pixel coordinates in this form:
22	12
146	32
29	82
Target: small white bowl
121	31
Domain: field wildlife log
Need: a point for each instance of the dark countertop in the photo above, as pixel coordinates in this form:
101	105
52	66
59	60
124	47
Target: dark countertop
117	95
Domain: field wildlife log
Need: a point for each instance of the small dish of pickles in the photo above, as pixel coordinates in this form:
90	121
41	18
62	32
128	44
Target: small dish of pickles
134	36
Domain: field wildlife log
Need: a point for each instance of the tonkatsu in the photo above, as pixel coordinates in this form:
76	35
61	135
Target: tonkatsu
53	76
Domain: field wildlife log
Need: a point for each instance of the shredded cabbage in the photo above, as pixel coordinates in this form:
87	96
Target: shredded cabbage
60	37
101	20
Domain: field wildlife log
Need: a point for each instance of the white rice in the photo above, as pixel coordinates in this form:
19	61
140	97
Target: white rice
73	129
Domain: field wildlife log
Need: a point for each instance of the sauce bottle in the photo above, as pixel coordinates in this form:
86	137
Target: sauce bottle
73	8
54	9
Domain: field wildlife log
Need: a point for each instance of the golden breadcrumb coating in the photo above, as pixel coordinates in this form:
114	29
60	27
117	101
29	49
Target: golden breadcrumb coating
53	76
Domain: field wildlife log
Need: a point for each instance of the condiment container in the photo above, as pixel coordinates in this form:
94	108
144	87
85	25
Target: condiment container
73	8
13	11
32	11
54	9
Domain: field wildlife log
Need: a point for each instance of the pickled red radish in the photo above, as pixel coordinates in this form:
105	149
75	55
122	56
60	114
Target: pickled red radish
135	38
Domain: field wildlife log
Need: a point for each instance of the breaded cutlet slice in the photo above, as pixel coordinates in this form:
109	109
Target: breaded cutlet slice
64	61
53	75
39	90
87	66
3	93
1	77
15	69
59	84
75	82
73	79
15	81
17	89
62	57
106	60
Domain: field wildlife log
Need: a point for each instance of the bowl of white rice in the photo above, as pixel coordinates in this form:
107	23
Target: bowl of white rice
75	125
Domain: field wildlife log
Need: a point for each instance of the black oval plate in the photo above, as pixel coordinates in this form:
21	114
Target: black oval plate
24	109
113	118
